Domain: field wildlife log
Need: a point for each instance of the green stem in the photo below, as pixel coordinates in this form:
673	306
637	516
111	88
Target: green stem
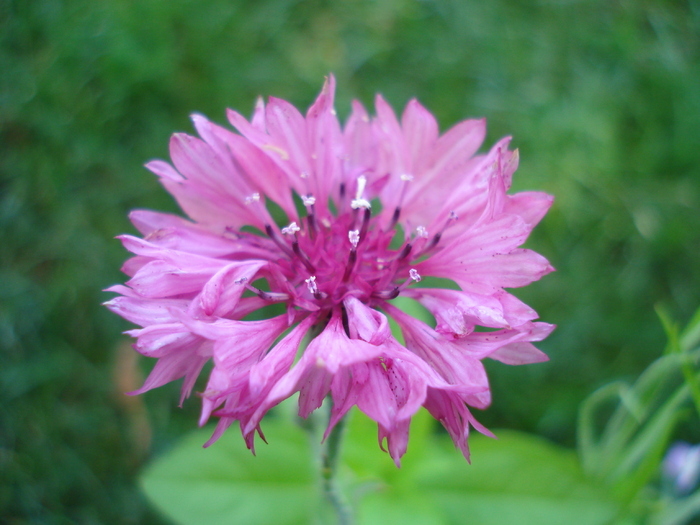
330	455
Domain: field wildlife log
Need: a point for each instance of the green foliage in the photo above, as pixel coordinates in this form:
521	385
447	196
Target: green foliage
516	478
627	452
226	484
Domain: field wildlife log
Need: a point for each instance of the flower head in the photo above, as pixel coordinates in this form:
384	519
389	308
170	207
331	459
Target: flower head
333	223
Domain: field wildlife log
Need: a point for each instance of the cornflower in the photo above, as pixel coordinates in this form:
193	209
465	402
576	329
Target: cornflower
370	212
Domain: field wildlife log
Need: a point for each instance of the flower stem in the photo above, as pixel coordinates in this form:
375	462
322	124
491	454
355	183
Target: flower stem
330	455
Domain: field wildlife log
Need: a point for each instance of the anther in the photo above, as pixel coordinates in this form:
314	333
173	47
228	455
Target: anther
352	259
359	201
433	242
388	295
279	242
291	229
354	237
309	201
365	222
436	239
405	251
313	288
405	178
395	217
311	284
394	292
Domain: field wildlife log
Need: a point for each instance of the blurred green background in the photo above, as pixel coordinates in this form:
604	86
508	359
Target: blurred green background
602	97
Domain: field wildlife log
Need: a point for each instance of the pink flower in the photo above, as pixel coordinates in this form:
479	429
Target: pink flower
331	224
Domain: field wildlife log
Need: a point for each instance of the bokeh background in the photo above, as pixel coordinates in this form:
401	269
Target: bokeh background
602	98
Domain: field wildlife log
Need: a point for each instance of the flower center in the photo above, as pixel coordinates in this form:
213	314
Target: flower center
349	251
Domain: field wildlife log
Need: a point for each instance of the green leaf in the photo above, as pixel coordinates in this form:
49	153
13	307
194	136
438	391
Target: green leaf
679	511
690	336
226	484
517	478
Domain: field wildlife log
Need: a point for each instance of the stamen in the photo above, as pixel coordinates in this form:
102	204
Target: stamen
361	183
291	229
313	288
387	295
352	259
365	222
395	217
354	237
433	242
279	242
359	201
405	178
274	297
257	203
436	239
394	293
309	201
405	251
302	256
421	231
311	283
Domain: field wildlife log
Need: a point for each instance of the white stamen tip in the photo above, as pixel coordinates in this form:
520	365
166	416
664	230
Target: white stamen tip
308	200
354	236
360	203
304	174
414	275
311	283
255	197
421	231
406	177
291	229
242	280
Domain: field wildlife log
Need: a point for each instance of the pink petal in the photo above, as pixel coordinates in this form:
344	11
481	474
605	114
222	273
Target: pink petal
221	293
366	323
420	131
144	312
